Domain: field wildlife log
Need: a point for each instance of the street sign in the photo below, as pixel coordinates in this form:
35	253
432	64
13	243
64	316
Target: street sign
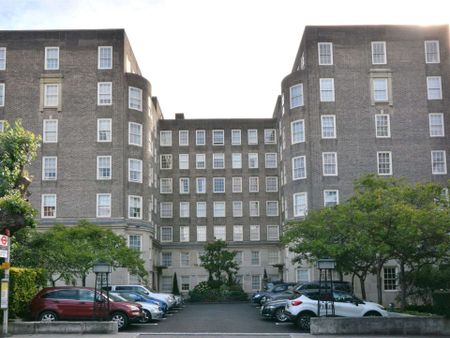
4	294
3	253
4	241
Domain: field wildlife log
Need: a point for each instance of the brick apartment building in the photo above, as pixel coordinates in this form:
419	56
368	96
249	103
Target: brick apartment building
359	99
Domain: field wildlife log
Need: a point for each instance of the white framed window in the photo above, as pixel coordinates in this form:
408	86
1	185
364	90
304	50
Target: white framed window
165	185
165	138
302	275
166	257
238	258
184	185
184	210
236	137
271	208
134	207
166	209
201	233
134	170
255	260
438	162
384	162
49	168
254	233
327	90
271	183
183	137
166	236
432	51
253	208
220	232
256	280
200	137
2	94
201	185
218	161
330	198
48	207
135	242
273	256
51	95
296	96
270	136
2	58
252	136
330	166
105	57
200	161
183	161
184	256
253	184
300	204
104	93
237	209
298	167
325	50
236	160
218	138
379	53
236	184
135	98
436	122
218	185
382	126
390	278
297	131
273	234
238	233
380	90
271	160
328	126
50	131
103	205
166	161
51	58
434	88
201	209
253	160
135	134
219	209
104	169
104	130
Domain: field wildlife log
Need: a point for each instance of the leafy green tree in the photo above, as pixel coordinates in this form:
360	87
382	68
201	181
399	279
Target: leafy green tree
219	262
175	289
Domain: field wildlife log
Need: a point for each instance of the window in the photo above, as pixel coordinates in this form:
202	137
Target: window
200	137
272	208
298	167
236	137
220	233
2	58
434	88
253	184
438	162
184	237
256	281
271	184
302	275
201	233
135	207
165	138
329	161
184	185
218	138
273	234
166	210
300	204
183	137
254	208
103	205
104	168
50	134
105	57
330	198
218	184
325	50
252	135
238	233
104	93
201	185
382	125
201	209
183	161
135	98
297	131
384	162
380	90
135	134
390	278
379	52
135	242
51	95
165	185
236	161
270	136
51	58
432	51
237	209
104	132
218	161
254	233
236	184
49	168
328	126
238	257
200	161
255	261
166	234
166	257
326	90
253	160
48	209
436	121
271	160
219	209
296	95
2	94
134	170
166	161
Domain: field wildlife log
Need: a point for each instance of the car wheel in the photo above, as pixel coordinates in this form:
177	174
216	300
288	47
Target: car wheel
121	319
147	317
48	316
372	314
280	315
304	320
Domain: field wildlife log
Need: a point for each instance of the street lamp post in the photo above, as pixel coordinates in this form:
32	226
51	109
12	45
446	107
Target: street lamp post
326	267
101	304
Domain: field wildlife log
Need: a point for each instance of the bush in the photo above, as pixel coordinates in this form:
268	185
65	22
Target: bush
441	303
203	292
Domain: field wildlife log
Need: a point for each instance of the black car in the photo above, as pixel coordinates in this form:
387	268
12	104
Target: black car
262	296
275	309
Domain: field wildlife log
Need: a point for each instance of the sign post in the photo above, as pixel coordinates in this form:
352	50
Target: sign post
4	252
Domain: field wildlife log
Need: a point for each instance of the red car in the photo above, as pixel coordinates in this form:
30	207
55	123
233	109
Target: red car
77	303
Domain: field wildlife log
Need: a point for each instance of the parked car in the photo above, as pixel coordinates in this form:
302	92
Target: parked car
166	297
145	298
151	309
262	296
275	309
301	309
77	303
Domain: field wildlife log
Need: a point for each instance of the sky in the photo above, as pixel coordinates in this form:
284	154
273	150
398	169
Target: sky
215	58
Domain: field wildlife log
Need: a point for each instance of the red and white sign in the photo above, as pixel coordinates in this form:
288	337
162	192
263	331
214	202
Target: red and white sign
4	240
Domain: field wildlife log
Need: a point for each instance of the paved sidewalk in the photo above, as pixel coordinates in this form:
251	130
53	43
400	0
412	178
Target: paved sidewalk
205	335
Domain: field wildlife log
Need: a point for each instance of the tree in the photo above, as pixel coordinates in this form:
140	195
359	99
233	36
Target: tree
175	289
219	262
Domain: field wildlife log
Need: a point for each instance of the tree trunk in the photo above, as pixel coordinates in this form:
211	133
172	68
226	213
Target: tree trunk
83	280
362	281
402	285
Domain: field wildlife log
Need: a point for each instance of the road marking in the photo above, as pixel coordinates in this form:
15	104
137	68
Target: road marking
149	324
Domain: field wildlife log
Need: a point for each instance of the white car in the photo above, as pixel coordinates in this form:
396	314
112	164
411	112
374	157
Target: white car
151	311
301	309
165	297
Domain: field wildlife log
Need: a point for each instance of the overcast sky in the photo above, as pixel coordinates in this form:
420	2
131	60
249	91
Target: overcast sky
216	58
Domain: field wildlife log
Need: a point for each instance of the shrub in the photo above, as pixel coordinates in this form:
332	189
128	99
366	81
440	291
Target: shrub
441	303
203	292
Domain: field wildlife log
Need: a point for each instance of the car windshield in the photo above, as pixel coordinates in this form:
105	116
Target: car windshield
116	298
